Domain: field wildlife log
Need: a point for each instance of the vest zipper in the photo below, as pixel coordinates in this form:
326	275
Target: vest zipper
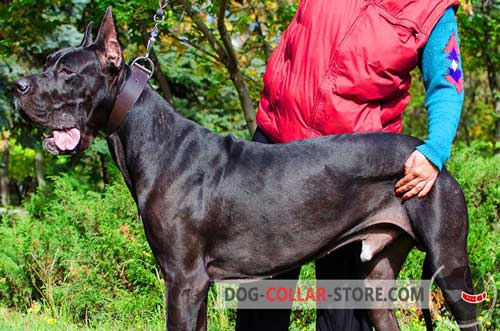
318	100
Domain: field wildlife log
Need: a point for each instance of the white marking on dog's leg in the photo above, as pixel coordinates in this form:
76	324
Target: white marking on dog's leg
366	251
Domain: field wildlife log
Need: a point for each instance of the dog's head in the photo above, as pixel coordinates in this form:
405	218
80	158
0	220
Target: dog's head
72	98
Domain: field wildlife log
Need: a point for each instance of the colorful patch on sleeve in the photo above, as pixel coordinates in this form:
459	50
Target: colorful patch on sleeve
454	75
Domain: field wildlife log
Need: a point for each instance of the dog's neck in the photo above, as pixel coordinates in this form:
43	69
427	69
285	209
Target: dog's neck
150	140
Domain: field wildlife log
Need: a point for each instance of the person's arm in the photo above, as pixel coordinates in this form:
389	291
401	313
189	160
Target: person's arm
441	68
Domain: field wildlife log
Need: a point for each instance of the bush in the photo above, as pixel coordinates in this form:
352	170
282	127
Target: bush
81	255
81	251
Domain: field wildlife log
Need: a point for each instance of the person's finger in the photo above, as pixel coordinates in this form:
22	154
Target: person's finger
409	163
414	191
408	186
427	188
409	175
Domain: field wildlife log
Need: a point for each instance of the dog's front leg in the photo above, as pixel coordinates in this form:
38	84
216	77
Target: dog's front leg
186	305
201	324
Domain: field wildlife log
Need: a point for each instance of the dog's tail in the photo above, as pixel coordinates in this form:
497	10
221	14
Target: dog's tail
427	274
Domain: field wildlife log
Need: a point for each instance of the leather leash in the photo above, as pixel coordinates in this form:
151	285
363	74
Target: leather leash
137	80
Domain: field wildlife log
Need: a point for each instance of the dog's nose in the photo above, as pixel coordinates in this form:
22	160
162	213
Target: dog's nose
22	85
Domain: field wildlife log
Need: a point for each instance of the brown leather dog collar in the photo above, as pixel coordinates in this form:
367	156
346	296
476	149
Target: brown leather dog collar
128	96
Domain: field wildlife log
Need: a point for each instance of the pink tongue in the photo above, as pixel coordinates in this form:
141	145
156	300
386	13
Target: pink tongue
67	140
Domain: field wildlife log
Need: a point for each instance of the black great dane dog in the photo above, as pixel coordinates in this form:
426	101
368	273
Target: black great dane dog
215	208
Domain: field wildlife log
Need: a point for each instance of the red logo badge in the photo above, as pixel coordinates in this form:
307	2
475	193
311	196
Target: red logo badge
474	298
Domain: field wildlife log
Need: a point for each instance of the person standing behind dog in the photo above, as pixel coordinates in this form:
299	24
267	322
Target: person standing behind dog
344	66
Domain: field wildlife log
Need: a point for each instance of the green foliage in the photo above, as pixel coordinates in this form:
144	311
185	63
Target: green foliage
479	175
209	101
21	161
80	257
82	252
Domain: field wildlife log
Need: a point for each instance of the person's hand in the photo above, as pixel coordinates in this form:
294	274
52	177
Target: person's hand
420	175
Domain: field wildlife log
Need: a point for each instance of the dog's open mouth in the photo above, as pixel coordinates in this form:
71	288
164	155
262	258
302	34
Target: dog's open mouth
62	141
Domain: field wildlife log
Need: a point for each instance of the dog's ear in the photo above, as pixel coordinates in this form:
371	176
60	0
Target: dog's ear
87	36
108	48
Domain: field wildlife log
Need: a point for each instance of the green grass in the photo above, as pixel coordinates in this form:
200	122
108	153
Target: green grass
44	321
40	321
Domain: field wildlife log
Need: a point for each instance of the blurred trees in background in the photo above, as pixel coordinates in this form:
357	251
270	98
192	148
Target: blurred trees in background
211	56
80	250
479	29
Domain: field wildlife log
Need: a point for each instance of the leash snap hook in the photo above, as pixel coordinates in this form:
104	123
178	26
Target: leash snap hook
162	3
152	39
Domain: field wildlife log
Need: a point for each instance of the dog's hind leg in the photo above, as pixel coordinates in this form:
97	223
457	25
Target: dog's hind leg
386	265
427	274
452	275
440	224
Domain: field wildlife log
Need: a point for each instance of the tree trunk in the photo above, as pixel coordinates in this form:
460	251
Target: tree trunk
497	129
40	177
158	73
245	99
104	170
492	71
493	80
474	86
4	173
161	78
231	62
266	47
226	54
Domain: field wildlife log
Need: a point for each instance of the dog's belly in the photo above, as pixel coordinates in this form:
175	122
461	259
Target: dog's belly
261	260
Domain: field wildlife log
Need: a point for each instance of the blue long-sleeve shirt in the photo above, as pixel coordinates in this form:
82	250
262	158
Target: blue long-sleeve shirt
441	68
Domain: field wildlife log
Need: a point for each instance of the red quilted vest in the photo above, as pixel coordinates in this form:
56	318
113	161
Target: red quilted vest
344	66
